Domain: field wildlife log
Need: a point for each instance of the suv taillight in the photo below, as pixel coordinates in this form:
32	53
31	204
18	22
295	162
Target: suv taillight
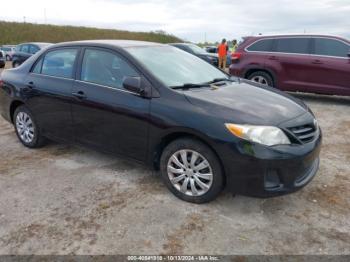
235	57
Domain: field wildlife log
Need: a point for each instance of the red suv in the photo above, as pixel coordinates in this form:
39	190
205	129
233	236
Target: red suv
306	63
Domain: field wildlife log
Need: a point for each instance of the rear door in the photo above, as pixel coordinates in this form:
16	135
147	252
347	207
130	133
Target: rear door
105	115
292	63
49	91
256	55
331	66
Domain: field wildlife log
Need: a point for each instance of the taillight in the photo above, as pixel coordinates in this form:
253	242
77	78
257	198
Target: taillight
235	57
1	83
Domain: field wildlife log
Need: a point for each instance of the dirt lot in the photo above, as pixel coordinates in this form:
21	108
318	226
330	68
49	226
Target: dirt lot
62	199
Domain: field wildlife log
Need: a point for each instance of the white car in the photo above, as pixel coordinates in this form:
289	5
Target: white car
8	51
2	59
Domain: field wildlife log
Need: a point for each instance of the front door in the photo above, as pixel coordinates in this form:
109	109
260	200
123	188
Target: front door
105	115
292	63
331	66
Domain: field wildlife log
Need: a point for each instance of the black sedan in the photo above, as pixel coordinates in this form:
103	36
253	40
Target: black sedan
199	52
203	129
26	50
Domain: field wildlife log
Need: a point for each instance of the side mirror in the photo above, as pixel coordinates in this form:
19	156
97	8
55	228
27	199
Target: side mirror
133	84
349	54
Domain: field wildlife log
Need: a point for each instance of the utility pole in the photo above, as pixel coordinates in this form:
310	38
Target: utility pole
24	19
45	19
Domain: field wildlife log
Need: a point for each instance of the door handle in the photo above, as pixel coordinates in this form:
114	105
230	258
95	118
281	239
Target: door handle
273	57
317	62
79	95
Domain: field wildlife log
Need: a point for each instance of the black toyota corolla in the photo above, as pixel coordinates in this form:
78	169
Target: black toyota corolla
161	106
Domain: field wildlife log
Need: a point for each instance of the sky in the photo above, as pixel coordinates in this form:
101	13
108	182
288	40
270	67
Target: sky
192	20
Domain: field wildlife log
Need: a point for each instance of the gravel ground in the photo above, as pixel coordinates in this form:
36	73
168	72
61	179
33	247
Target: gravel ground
63	199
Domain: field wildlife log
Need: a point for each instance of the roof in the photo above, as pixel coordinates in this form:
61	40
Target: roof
181	44
294	35
117	43
36	43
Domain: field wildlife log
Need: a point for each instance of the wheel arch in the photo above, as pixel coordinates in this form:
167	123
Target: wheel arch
14	105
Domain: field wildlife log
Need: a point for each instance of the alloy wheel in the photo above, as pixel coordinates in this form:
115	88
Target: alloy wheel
25	127
260	79
190	172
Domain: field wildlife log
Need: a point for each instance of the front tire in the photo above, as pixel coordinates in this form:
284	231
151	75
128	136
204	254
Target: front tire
261	78
26	128
191	171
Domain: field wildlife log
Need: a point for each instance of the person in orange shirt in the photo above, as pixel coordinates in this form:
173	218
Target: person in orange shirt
222	52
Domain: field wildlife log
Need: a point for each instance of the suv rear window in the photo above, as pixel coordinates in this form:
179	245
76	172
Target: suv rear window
331	47
264	45
293	45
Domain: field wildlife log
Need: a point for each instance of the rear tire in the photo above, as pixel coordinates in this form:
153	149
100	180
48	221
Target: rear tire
26	128
191	171
261	77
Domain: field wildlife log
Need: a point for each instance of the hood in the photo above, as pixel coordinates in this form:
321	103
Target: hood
245	103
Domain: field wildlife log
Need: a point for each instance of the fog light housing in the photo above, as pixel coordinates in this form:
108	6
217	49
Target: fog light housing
272	180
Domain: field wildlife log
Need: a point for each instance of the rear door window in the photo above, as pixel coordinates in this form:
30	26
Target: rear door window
37	67
264	45
293	45
330	47
59	63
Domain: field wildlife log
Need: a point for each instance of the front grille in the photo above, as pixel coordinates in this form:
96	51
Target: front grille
304	133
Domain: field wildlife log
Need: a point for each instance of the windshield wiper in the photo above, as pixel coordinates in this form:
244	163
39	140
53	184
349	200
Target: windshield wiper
216	80
190	85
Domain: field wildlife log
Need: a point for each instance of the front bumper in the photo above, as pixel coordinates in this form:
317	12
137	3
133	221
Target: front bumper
261	171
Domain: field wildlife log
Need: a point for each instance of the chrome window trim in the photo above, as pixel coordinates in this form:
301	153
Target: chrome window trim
275	38
109	87
86	82
57	77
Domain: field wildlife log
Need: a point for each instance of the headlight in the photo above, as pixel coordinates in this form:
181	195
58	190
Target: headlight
266	135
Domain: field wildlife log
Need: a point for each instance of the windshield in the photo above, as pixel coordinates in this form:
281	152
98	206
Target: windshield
196	49
175	67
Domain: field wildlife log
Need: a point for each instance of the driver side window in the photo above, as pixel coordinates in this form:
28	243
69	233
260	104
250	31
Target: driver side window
105	68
